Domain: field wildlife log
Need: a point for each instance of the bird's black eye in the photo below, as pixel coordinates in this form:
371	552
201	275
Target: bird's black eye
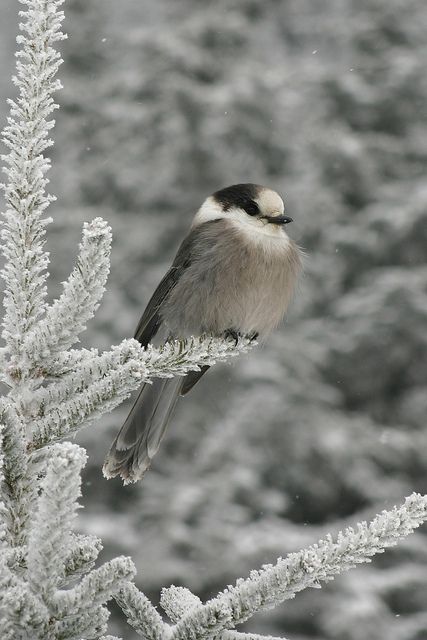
251	208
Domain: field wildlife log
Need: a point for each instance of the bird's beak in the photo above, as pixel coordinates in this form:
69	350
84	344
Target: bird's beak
278	219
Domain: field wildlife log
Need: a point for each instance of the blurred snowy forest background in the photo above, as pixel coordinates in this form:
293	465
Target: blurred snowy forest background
169	100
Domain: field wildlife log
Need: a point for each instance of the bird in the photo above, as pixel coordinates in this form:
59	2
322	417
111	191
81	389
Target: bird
234	274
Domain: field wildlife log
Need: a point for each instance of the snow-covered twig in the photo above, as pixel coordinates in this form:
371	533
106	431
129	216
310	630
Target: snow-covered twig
272	585
103	382
67	317
81	555
50	533
38	551
96	588
177	602
141	614
26	136
17	486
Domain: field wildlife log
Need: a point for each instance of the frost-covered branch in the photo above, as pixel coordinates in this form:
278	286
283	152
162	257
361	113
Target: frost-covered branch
95	588
103	382
141	614
26	136
272	585
81	555
310	567
17	487
177	602
74	610
67	317
50	533
39	553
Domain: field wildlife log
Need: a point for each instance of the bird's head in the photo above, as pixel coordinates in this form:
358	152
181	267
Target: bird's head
252	206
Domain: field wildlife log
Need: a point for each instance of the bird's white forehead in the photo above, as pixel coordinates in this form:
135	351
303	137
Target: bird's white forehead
270	202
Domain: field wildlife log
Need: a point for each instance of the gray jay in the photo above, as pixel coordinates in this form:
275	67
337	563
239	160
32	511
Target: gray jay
234	274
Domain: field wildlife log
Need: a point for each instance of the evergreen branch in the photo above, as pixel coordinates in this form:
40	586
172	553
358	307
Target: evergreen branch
141	614
103	382
88	624
237	635
61	364
50	532
17	487
176	602
4	511
82	553
206	621
95	589
21	612
67	362
4	363
66	318
124	360
26	136
272	585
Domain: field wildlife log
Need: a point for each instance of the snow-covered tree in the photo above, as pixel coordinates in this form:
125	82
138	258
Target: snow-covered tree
49	586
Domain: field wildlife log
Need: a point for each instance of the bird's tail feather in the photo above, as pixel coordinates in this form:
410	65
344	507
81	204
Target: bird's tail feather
139	438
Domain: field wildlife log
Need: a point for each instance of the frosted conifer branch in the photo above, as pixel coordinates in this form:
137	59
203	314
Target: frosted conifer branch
67	362
141	614
103	382
48	548
177	602
87	624
4	513
82	553
26	136
237	635
99	586
272	585
66	318
22	615
50	532
16	482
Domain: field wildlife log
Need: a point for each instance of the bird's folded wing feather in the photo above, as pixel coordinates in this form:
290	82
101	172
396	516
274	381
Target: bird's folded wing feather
151	319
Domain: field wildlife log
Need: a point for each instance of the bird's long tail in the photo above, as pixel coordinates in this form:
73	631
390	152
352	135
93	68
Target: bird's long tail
139	438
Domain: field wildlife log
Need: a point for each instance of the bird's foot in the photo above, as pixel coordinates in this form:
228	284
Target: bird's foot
252	336
232	334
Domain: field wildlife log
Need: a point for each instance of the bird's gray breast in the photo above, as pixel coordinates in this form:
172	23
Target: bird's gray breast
232	282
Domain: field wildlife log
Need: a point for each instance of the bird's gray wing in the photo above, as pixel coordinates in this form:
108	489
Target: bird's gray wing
151	319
